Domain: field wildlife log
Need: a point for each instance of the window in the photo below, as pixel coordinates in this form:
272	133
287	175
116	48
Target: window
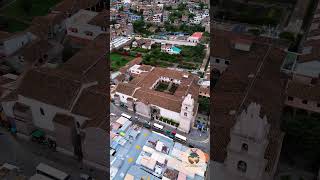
242	166
227	62
314	81
78	125
318	105
41	111
217	60
186	108
290	98
88	33
185	114
244	147
305	102
74	30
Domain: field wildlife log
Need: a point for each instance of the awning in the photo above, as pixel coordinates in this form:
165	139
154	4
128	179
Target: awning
38	133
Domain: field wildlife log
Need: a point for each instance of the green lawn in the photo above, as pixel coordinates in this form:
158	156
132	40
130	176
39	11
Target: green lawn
118	61
37	8
190	58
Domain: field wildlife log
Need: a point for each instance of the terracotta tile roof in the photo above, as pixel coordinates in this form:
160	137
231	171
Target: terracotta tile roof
221	47
64	119
54	18
160	99
126	88
39	27
4	35
49	88
233	89
71	6
143	82
91	103
35	50
100	19
77	40
121	77
89	64
303	91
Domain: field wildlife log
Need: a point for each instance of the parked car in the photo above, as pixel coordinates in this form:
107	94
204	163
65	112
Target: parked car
147	124
169	133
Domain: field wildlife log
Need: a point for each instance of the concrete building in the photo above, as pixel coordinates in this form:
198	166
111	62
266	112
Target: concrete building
85	25
157	18
139	69
195	37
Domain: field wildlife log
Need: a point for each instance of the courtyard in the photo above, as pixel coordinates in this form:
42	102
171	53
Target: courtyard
166	87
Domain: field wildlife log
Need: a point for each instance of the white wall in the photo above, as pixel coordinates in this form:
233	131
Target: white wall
143	109
221	66
297	103
96	30
45	121
8	108
123	97
13	44
169	114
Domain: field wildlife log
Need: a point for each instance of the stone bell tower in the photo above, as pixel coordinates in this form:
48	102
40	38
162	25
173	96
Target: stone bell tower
186	113
248	142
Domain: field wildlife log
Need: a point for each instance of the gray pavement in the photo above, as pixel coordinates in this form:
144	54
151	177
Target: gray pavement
27	155
133	153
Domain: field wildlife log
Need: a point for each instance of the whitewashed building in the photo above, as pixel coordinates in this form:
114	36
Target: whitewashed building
162	94
86	25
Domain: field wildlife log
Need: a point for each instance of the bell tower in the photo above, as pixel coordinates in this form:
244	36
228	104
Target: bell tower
186	113
248	142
